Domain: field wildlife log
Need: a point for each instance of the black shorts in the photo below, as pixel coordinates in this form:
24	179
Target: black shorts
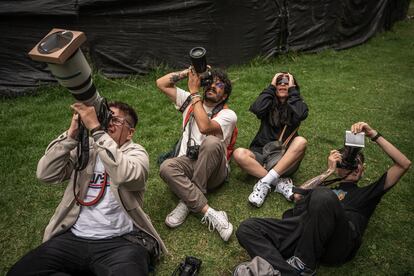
258	155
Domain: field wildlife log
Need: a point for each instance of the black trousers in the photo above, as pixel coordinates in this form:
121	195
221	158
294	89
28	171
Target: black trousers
67	254
320	234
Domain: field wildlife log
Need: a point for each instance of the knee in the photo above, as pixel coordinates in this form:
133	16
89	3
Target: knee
166	168
301	143
211	144
322	198
240	154
246	229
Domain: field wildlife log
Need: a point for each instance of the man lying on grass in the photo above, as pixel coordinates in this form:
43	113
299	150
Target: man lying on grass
326	225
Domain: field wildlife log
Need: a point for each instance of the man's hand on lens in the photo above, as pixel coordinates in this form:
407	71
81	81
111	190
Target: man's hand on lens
87	115
73	129
193	81
334	158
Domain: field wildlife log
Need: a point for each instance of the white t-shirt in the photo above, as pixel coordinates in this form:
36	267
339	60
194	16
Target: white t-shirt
105	219
226	118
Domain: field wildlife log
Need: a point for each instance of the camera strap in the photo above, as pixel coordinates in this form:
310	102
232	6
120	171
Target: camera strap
190	117
190	124
102	190
332	181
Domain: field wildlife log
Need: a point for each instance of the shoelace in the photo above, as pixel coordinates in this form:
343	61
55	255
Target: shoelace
260	186
181	210
211	224
296	263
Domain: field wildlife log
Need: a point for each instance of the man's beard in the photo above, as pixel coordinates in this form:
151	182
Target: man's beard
211	99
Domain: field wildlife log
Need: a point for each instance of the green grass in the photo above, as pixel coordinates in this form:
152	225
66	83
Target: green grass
373	83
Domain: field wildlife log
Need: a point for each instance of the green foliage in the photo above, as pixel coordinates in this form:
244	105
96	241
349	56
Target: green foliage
372	83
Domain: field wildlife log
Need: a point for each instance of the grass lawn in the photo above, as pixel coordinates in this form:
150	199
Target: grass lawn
373	83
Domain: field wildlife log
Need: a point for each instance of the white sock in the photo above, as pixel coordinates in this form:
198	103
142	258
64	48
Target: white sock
270	177
209	210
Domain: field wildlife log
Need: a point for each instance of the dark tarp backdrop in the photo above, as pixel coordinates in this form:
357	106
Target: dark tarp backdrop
133	37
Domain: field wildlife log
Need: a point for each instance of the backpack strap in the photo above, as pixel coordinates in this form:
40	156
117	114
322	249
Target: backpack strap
290	136
281	135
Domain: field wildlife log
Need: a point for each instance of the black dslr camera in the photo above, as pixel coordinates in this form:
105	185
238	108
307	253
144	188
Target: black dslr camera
354	143
189	267
199	62
192	152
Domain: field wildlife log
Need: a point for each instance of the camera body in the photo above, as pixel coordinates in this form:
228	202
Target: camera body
354	143
189	267
199	63
192	152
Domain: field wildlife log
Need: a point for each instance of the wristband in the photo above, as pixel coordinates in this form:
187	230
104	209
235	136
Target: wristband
96	129
375	138
195	95
196	102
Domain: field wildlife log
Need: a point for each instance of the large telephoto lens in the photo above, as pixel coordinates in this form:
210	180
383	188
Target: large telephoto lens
75	73
198	59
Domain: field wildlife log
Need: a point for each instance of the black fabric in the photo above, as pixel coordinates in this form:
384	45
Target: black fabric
360	202
67	254
320	234
326	226
127	37
266	105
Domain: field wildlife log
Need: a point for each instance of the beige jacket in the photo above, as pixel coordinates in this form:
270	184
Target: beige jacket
127	166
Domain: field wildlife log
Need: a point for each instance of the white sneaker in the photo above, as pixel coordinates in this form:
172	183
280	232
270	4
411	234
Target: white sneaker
260	191
218	220
284	186
177	216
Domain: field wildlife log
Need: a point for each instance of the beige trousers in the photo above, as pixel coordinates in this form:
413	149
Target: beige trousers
191	179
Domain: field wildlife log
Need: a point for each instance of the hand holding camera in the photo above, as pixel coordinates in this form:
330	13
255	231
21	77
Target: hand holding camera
194	82
73	130
87	115
354	143
363	127
334	158
199	65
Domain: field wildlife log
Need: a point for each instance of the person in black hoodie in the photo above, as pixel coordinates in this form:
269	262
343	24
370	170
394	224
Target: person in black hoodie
281	110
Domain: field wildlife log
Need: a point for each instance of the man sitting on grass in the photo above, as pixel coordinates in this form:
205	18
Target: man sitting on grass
99	227
205	148
325	226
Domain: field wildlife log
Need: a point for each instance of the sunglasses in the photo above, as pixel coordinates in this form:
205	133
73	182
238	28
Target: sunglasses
219	84
283	81
118	121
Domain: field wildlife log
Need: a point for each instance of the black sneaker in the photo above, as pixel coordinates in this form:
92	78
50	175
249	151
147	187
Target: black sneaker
300	266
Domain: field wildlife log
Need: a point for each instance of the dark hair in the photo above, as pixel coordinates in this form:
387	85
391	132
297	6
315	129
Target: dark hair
360	156
221	75
127	109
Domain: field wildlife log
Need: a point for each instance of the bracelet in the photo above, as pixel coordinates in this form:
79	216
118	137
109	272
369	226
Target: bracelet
195	95
375	138
196	102
96	129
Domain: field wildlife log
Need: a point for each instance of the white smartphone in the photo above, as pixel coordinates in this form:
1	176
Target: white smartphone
354	140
